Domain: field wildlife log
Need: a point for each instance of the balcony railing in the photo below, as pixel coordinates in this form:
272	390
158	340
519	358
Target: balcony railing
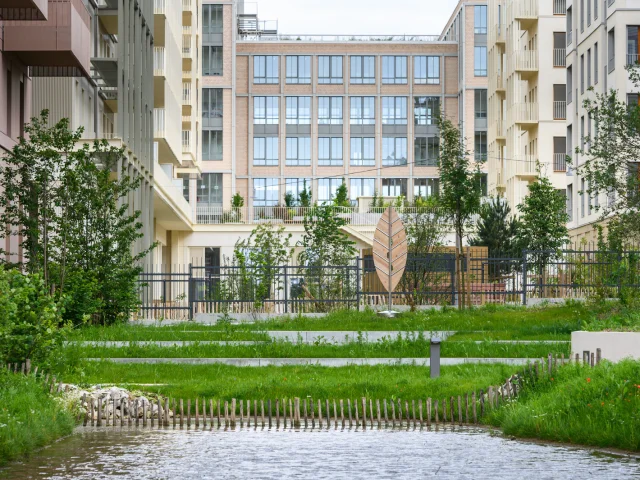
499	82
186	118
560	7
559	57
559	162
218	215
524	112
186	94
186	5
158	122
186	141
186	46
524	61
186	29
346	38
160	7
526	165
525	9
632	58
158	61
559	110
498	32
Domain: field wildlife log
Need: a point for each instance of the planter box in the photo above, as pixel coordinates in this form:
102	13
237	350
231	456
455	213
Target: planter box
615	346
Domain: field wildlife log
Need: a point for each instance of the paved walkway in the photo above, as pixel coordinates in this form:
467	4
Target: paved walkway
325	362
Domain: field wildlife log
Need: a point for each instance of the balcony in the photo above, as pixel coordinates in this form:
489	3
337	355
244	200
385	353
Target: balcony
559	110
187	74
186	30
499	82
524	62
24	10
186	119
524	114
560	7
186	94
499	33
159	57
186	141
56	47
187	51
172	211
496	131
559	162
632	58
525	11
559	57
160	7
526	166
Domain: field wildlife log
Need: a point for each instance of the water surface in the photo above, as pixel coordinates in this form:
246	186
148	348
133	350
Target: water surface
93	453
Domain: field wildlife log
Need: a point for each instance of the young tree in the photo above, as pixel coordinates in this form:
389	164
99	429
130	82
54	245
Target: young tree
460	188
68	206
609	161
305	196
342	196
543	220
326	256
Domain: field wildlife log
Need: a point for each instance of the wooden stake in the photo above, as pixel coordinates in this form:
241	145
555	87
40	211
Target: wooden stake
218	413
335	414
306	417
400	413
459	410
466	408
99	411
197	413
378	412
255	414
296	403
242	413
226	414
144	414
319	414
435	408
313	419
444	410
91	405
204	413
277	413
349	408
413	410
357	418
188	413
175	413
393	414
328	414
420	411
429	412
364	412
181	413
371	411
269	412
598	356
473	400
342	412
386	416
262	411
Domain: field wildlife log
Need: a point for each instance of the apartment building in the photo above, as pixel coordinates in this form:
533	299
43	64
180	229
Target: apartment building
38	38
527	95
602	40
111	92
283	111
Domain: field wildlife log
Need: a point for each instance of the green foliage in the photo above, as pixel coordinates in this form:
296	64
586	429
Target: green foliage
377	201
579	404
305	196
29	417
30	319
543	222
342	196
289	200
497	229
237	201
70	206
609	160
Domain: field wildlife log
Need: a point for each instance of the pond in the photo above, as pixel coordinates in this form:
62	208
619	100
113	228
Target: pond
93	453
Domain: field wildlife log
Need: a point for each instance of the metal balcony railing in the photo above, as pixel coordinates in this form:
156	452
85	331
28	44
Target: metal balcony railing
559	162
159	57
525	9
559	57
186	5
632	58
559	110
160	7
524	60
526	165
158	122
560	7
186	94
524	112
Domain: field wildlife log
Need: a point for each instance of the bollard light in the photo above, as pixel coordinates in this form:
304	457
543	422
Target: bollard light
434	357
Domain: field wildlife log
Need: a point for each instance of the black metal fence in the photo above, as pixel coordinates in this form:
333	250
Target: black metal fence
175	293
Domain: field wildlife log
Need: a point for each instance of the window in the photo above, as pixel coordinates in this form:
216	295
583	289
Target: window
296	186
427	70
426	110
559	101
427	150
211	19
582	133
363	69
582	73
265	192
211	61
559	154
582	16
426	187
569	83
480	61
363	151
298	69
595	63
632	44
298	110
589	12
212	257
265	69
480	103
329	69
394	110
361	187
210	189
480	146
265	151
559	49
394	69
394	187
570	202
569	25
265	110
298	151
394	150
211	104
480	19
330	110
185	185
330	151
633	99
363	111
583	194
611	49
211	145
327	188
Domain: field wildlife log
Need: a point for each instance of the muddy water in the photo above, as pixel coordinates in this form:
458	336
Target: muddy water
271	454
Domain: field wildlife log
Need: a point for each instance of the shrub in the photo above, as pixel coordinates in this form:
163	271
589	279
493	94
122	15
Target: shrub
31	324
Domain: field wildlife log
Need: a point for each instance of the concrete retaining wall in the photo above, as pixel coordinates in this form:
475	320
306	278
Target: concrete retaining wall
614	345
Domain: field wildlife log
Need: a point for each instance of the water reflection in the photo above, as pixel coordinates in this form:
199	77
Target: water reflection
342	454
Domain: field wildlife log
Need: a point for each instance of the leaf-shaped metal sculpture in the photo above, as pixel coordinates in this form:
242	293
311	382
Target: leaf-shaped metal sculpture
390	250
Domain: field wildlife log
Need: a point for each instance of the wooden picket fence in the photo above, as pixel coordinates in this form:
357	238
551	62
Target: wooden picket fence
308	413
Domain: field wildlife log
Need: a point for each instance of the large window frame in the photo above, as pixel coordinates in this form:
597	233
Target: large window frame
265	151
480	19
266	192
394	187
330	69
480	61
363	110
363	151
298	110
330	110
426	70
266	69
426	151
361	187
298	70
212	103
212	19
298	151
426	187
209	189
266	110
394	70
363	69
327	189
426	110
394	110
394	151
212	145
212	61
480	103
330	151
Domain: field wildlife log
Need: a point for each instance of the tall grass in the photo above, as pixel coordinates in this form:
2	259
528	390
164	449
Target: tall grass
593	406
29	417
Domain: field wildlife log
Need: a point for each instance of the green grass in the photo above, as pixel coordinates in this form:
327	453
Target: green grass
226	382
613	317
592	406
395	348
29	417
181	332
507	335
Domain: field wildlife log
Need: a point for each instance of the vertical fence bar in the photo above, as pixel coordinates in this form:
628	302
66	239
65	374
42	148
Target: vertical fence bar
524	277
286	290
358	286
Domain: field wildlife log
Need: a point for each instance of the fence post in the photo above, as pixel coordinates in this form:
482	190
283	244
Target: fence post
286	290
619	276
524	277
190	292
452	264
358	289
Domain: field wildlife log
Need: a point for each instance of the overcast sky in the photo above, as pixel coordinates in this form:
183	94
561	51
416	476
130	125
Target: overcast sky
357	17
